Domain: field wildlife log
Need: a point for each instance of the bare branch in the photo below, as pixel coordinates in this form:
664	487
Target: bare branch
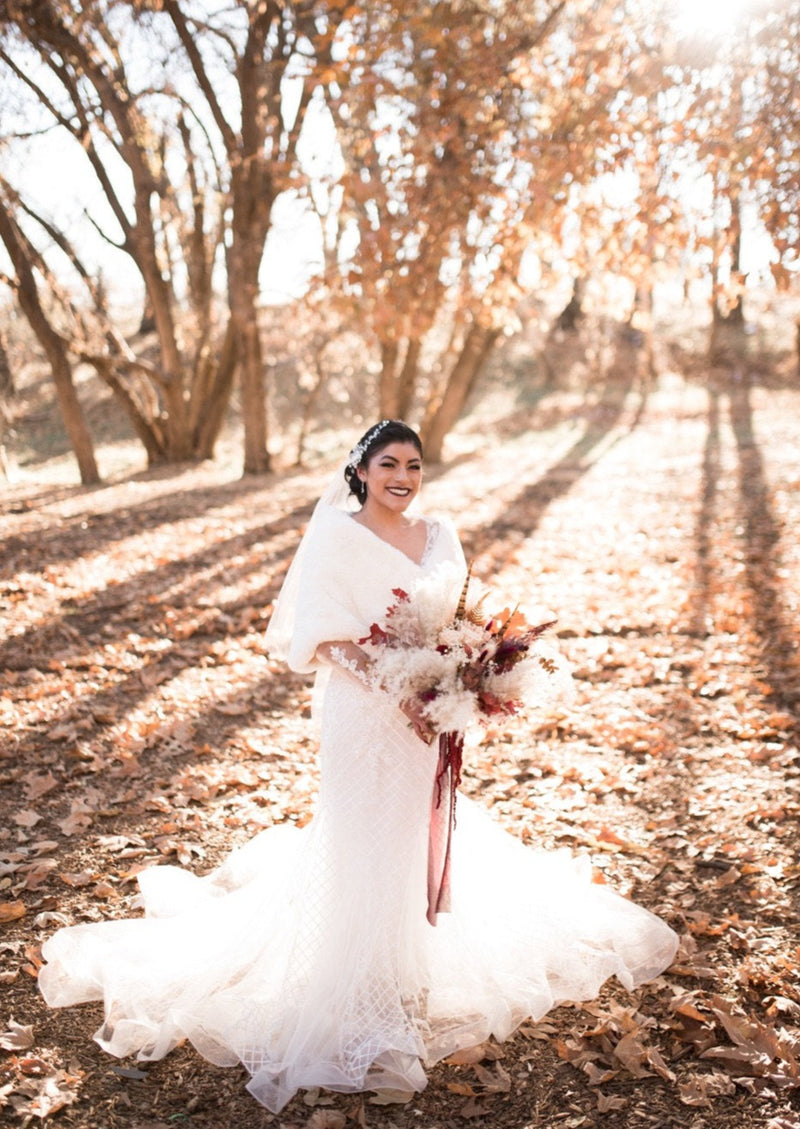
146	427
131	361
80	130
125	247
173	9
190	110
37	90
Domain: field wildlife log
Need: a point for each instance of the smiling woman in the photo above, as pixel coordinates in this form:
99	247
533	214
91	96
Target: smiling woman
391	481
349	953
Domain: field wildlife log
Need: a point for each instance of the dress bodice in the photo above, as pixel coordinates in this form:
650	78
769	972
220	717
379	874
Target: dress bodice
347	579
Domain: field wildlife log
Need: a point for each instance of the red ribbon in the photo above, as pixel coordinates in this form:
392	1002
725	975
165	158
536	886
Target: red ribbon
443	822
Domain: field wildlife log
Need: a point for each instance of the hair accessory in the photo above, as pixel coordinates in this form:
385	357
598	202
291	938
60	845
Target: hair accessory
360	449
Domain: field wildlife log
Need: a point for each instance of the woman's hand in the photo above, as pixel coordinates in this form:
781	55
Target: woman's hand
347	656
352	658
415	712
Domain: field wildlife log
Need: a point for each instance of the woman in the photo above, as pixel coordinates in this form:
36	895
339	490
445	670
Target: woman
312	956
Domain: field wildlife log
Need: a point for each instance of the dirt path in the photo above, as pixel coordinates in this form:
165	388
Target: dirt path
142	724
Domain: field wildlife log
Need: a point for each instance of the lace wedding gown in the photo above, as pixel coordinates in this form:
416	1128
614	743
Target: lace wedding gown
307	955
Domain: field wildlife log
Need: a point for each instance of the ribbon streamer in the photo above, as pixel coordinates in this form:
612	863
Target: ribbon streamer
443	822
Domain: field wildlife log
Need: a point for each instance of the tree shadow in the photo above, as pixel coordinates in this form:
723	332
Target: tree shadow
729	350
778	642
169	635
24	499
700	600
524	513
85	532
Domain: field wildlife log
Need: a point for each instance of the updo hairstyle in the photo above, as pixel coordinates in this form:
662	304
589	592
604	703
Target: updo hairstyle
378	436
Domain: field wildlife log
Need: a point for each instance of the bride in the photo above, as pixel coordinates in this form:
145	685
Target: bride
312	955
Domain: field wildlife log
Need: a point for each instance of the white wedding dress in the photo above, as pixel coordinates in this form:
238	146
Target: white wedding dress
307	955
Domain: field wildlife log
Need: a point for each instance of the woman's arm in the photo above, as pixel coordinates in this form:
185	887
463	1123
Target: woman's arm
349	656
355	660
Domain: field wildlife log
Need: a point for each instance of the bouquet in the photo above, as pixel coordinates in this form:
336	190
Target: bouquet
438	646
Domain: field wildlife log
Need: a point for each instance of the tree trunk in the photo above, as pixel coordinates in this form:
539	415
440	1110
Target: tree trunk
573	311
733	316
147	429
254	403
309	405
243	266
639	324
71	412
147	323
7	389
55	349
212	403
252	195
176	421
475	351
407	379
7	392
387	390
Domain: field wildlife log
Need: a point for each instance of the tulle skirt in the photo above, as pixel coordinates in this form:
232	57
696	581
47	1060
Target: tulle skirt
307	955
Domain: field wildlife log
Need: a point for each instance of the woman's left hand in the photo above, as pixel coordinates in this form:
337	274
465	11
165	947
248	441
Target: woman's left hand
415	712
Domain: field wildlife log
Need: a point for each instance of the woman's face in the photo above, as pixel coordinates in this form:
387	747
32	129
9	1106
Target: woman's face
393	476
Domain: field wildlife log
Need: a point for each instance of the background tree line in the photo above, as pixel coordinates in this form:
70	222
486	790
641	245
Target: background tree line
450	157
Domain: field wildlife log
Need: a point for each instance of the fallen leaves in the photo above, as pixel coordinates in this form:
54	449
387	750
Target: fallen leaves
701	1089
326	1119
390	1097
758	1055
145	726
478	1082
41	1096
39	784
18	1036
75	823
759	1051
618	1043
81	878
611	1103
37	1086
12	911
26	818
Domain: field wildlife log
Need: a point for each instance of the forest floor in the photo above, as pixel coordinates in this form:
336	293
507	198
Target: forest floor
143	724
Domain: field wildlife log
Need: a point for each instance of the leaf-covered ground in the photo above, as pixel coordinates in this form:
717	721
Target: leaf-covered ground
142	724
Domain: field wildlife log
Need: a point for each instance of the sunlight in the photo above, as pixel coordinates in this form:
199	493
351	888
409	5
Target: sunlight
708	17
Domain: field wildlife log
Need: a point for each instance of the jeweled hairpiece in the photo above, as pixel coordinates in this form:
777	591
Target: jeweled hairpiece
360	449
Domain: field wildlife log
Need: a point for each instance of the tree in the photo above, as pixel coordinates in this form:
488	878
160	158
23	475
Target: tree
428	116
7	391
473	137
476	138
189	154
776	122
732	109
23	284
279	43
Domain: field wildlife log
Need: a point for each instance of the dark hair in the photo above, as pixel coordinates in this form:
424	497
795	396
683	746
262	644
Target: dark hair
377	437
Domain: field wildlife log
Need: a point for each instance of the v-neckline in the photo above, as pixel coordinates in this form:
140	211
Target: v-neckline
425	549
